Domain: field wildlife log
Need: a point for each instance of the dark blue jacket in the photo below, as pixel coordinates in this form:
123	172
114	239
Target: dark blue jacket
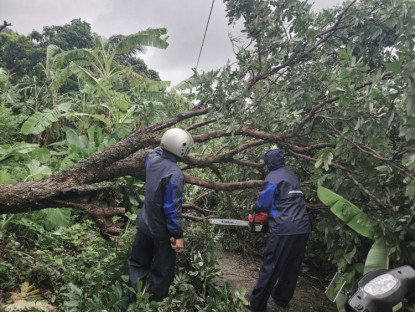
161	215
282	198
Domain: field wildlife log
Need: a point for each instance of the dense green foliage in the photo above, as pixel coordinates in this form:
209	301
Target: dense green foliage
334	90
76	268
358	88
19	54
76	35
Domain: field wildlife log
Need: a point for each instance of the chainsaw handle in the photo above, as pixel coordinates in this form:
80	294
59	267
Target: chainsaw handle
258	221
252	223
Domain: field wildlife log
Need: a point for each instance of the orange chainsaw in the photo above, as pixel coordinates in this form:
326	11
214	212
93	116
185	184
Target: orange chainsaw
257	222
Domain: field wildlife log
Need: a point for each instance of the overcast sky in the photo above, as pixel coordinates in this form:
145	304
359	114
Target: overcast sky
185	21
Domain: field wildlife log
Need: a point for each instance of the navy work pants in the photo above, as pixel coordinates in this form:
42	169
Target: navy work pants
154	256
279	271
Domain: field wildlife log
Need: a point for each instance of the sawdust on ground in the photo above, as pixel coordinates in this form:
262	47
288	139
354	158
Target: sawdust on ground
240	271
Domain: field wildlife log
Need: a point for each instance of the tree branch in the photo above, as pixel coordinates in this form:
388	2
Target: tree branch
371	152
98	213
352	178
221	186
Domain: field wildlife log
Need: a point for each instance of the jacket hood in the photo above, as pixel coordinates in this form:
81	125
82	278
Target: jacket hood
274	159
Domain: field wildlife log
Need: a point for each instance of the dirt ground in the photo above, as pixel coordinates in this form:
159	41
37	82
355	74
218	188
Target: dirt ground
241	271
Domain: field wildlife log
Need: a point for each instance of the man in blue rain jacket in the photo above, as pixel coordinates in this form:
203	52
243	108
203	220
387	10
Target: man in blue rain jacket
281	197
160	218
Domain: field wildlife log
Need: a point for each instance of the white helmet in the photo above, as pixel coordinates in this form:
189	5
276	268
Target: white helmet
176	141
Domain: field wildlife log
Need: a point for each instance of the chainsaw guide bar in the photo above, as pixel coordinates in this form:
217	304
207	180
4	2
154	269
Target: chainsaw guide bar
229	222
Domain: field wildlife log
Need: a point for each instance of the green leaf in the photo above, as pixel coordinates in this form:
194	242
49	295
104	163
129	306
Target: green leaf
85	75
394	67
133	200
349	256
410	189
350	214
64	59
95	138
59	78
151	86
409	102
340	301
55	217
324	159
51	51
7	151
377	258
37	171
38	122
5	177
76	289
71	304
102	118
79	141
359	123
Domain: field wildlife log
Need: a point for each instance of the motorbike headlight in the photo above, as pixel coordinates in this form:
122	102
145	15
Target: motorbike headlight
380	285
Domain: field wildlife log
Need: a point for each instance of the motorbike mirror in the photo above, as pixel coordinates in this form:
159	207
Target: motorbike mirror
335	287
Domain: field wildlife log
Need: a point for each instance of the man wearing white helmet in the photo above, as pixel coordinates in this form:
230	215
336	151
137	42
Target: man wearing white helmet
160	218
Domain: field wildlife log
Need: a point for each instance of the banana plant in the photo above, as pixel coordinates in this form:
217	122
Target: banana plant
100	61
101	83
362	224
105	78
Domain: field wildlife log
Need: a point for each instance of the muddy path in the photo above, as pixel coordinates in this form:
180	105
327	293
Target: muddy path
240	271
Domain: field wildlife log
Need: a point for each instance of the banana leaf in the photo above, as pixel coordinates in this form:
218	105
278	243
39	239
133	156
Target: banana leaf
377	258
149	37
340	301
350	214
38	122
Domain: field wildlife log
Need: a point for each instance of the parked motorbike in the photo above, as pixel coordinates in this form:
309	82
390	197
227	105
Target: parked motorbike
378	291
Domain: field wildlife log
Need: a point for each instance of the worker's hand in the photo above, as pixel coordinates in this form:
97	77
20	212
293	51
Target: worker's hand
251	207
176	244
